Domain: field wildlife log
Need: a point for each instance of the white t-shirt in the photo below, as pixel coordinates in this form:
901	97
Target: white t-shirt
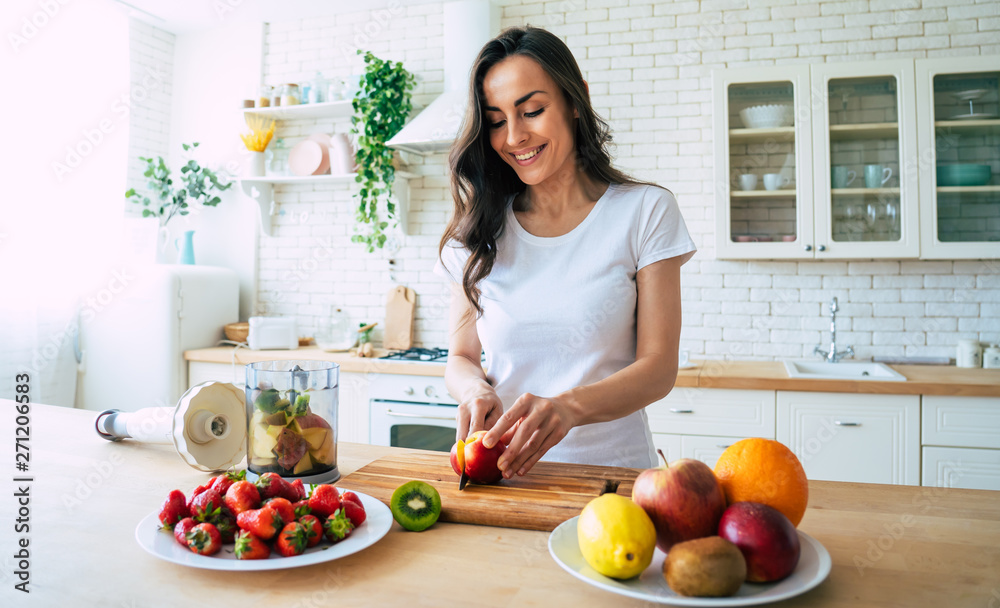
560	312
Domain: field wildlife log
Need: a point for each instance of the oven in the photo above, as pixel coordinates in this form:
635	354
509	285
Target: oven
412	411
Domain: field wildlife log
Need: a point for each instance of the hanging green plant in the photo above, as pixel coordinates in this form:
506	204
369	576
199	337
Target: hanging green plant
381	107
164	200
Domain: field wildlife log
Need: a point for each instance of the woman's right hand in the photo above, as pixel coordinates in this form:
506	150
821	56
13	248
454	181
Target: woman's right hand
478	413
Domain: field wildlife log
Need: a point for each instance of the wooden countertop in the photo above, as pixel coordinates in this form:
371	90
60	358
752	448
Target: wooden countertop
763	375
88	495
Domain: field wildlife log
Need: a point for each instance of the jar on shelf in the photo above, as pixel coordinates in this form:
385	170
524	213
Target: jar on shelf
335	332
276	95
264	99
277	158
969	354
290	94
991	357
317	89
336	90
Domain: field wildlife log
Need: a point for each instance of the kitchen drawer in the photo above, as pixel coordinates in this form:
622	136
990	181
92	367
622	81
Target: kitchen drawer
966	422
966	468
199	371
705	448
716	412
853	437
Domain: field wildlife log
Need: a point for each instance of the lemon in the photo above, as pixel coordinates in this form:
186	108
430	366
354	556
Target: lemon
616	536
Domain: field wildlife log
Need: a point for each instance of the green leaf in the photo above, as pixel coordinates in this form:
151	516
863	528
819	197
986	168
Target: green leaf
147	213
186	147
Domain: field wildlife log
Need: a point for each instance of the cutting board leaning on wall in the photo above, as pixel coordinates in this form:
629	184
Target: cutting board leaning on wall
400	305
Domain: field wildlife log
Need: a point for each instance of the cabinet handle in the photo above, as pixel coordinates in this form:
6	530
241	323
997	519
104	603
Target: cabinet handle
719	445
822	248
808	247
680	411
406	415
840	423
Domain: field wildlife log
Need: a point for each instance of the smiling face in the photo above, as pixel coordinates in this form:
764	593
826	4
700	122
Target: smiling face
529	120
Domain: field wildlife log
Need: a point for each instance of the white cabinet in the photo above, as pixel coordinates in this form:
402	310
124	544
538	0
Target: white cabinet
705	448
352	409
852	436
961	442
878	159
723	412
958	113
966	468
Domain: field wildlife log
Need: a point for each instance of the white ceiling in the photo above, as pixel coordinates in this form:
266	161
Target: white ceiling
182	16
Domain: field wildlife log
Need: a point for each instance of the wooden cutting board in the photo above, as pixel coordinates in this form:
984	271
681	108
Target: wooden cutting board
400	304
548	495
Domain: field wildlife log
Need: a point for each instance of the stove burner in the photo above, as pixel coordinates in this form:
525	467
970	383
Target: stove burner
419	354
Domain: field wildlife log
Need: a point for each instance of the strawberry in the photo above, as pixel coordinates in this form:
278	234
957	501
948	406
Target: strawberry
198	491
353	508
225	523
301	508
283	507
206	505
249	546
182	528
291	540
222	482
271	485
337	526
263	523
242	496
314	530
174	509
204	539
300	490
324	500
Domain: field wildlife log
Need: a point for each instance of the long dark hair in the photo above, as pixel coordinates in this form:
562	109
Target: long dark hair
481	182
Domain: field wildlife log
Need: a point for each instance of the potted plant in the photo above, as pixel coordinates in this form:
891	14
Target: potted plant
165	200
380	109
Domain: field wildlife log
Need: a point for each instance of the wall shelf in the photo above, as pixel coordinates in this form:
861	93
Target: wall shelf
306	111
743	136
872	130
261	191
763	193
864	191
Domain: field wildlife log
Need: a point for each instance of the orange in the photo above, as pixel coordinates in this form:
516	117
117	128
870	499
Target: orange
765	471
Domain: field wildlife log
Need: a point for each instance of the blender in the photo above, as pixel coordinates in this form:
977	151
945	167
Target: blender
291	409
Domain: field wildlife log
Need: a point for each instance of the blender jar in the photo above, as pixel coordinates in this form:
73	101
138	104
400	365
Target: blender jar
292	419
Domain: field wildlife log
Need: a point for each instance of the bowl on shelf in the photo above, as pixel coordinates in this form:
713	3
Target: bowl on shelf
963	174
767	116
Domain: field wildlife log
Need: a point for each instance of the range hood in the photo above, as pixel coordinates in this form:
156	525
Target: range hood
468	25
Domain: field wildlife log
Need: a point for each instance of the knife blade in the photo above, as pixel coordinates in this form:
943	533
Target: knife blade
464	479
460	458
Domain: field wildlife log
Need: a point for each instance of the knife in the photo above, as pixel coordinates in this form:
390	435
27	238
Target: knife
460	457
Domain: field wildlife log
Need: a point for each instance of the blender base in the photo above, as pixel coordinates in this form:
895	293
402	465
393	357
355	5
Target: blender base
326	477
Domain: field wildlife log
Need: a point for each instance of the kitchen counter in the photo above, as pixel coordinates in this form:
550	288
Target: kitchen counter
891	545
763	375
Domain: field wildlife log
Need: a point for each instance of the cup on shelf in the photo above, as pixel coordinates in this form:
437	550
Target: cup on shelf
876	176
748	181
774	181
842	177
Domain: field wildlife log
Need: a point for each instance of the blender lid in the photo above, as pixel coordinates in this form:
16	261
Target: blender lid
210	426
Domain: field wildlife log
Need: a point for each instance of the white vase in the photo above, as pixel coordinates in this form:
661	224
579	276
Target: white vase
256	164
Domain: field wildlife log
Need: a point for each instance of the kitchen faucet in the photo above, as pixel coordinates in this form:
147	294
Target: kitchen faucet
832	356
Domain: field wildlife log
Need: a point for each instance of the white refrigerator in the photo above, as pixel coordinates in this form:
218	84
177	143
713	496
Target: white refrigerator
132	347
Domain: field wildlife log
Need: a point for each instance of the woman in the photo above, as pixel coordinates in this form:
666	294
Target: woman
564	270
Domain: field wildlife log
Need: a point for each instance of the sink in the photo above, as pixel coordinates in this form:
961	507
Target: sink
821	370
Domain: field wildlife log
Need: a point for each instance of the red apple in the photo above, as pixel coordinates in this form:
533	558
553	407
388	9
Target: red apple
766	538
683	498
480	462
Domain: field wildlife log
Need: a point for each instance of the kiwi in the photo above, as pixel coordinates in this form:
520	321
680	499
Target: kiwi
705	567
416	505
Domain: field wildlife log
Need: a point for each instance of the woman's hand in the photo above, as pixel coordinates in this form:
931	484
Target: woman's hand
530	428
478	412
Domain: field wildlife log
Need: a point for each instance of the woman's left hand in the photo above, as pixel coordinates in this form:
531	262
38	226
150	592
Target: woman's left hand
530	428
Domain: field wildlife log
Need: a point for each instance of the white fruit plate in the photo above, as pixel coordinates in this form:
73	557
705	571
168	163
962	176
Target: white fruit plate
162	544
813	568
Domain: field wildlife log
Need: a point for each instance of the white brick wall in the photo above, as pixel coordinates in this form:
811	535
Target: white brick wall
649	65
151	52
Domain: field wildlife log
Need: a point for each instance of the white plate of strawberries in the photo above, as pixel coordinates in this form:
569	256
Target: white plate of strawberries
234	524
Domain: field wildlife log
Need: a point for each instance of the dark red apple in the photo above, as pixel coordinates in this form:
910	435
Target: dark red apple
480	462
683	498
766	538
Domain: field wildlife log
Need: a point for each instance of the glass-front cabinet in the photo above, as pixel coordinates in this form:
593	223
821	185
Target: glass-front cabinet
895	159
864	129
959	116
764	184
